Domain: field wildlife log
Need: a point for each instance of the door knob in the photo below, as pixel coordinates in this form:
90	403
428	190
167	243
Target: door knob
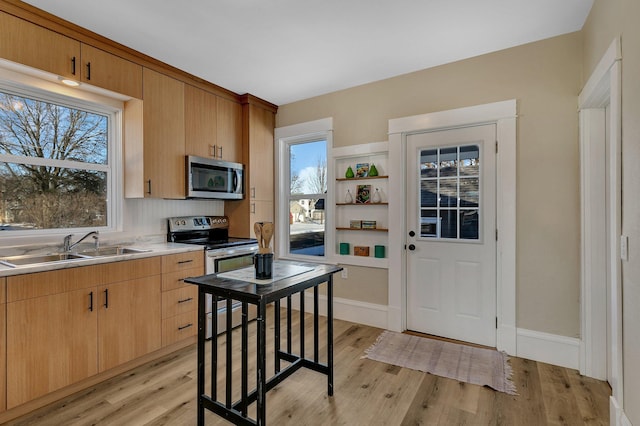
412	234
412	247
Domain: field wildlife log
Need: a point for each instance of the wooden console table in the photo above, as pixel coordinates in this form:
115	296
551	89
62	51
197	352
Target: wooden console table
233	285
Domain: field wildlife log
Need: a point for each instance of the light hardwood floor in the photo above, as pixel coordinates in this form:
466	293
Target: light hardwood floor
366	393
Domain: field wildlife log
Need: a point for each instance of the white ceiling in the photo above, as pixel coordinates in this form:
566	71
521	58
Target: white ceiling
287	50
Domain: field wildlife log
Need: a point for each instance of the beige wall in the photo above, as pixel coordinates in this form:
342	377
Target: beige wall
545	78
610	19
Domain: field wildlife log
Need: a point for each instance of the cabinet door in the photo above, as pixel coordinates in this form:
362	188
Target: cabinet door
229	129
163	130
261	123
51	343
129	320
32	45
3	347
111	72
200	122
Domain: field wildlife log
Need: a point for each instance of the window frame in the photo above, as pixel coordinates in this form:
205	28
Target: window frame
285	137
42	90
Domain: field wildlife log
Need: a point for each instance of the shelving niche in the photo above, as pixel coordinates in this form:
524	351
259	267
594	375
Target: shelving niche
344	212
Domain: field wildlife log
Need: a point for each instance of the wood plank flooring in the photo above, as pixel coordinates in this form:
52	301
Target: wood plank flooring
367	392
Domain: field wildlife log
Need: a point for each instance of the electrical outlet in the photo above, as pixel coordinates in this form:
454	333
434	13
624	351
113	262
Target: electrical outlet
624	247
345	274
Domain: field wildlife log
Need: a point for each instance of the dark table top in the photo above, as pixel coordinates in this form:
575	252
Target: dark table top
245	291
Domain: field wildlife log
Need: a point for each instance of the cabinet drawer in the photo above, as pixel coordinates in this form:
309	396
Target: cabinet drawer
174	280
179	327
179	301
182	261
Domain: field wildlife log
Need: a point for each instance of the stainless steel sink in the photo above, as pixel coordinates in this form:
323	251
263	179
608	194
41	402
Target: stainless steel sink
113	251
33	259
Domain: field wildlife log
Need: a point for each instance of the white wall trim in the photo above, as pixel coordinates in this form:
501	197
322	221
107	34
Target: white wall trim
601	90
504	115
550	348
346	309
617	417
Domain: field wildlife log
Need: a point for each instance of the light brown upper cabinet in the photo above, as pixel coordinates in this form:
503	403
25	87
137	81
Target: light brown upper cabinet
111	72
200	122
38	47
32	45
257	155
229	130
155	139
213	125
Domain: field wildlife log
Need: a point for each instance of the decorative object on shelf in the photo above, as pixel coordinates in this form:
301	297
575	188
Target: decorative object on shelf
348	198
361	250
363	195
362	170
376	198
355	224
344	248
373	171
378	251
349	174
368	224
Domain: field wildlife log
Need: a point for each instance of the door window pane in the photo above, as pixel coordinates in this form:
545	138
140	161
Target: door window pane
450	192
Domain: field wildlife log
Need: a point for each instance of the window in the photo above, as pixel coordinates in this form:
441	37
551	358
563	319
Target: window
55	162
303	195
450	192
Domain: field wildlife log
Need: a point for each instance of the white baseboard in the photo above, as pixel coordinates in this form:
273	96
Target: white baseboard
549	348
617	417
347	310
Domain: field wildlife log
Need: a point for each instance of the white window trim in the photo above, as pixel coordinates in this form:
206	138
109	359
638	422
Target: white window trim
36	84
285	136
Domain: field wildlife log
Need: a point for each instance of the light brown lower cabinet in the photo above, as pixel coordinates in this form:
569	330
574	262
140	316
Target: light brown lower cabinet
3	347
62	329
180	300
128	321
51	343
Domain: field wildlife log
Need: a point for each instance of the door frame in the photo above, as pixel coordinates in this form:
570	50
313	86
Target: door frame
503	114
603	88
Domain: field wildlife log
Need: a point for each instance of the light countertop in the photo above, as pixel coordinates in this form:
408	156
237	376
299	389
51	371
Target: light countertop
154	249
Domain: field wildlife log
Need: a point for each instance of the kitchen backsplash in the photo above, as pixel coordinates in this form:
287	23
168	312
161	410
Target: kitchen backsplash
148	216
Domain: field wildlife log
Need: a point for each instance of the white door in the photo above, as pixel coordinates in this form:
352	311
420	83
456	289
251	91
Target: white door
451	226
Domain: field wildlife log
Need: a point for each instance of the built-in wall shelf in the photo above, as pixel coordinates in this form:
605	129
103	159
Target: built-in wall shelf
360	158
366	261
362	204
363	178
360	229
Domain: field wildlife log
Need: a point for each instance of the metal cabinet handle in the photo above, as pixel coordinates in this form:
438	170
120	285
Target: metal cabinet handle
106	298
212	150
91	302
149	186
73	65
220	148
88	70
189	299
185	326
182	262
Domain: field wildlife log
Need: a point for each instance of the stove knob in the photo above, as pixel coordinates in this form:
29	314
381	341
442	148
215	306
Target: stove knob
182	222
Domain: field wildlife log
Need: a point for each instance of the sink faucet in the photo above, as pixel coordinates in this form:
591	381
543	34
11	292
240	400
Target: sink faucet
67	240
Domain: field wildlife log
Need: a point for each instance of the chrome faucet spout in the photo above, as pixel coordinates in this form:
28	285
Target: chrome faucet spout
67	240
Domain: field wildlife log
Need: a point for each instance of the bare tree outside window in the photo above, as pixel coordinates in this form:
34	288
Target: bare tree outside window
40	145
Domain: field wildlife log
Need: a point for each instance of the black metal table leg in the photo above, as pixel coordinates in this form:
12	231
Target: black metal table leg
245	355
330	334
276	337
201	341
261	407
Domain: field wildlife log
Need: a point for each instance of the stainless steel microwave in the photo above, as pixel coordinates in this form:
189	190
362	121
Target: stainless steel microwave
209	178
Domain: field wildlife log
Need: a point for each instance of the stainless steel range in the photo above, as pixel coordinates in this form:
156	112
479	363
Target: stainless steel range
223	253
